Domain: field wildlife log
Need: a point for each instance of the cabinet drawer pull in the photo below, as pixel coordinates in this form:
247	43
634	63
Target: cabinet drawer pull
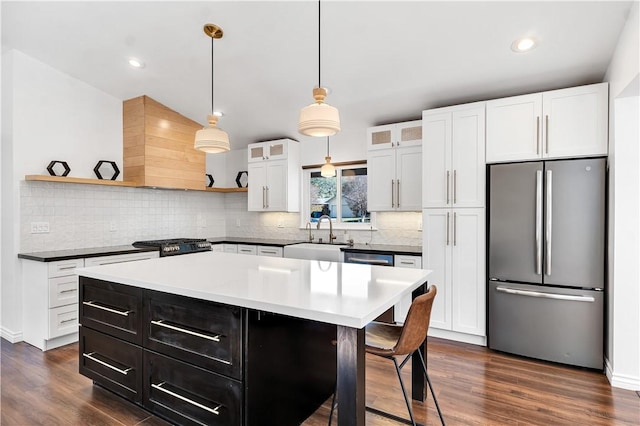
69	290
64	268
92	358
161	323
104	308
68	320
406	262
185	399
268	251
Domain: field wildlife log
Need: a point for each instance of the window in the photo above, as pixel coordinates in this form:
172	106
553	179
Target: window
343	198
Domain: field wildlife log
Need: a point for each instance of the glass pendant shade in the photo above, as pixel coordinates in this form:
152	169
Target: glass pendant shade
327	169
212	139
319	119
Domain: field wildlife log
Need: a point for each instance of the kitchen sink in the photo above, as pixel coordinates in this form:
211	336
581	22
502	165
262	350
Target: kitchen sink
314	251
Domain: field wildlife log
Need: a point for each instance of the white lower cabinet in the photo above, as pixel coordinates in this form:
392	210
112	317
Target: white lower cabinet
50	298
454	249
402	307
251	249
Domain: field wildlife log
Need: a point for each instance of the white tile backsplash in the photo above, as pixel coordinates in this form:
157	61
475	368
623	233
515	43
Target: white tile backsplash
82	216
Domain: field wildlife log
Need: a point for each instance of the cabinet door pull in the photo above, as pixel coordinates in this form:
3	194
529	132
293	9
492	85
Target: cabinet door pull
68	320
104	308
454	227
538	135
447	228
398	193
267	198
448	175
546	129
393	198
455	187
69	290
92	358
65	268
161	323
215	411
264	204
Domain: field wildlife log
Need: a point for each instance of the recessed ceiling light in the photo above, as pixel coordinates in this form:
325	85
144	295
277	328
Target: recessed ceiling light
136	63
524	44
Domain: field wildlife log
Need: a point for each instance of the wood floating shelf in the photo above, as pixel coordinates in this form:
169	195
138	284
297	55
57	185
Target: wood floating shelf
89	181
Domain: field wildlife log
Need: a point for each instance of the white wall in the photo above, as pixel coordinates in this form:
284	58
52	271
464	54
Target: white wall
623	336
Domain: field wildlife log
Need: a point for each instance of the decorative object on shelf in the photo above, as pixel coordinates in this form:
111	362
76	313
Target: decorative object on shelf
115	169
319	119
242	179
51	168
210	179
212	139
328	169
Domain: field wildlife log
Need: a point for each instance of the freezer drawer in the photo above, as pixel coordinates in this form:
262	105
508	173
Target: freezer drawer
548	323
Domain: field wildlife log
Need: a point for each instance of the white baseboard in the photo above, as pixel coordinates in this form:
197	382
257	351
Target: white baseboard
11	336
458	337
620	380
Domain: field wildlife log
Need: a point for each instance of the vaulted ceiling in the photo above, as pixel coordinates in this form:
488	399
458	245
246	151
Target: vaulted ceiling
384	61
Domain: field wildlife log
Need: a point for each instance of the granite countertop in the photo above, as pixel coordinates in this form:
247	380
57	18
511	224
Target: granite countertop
254	241
55	255
344	294
384	248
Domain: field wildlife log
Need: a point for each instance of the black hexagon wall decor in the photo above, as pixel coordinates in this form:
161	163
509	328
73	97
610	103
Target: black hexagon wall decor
210	180
101	169
242	179
54	168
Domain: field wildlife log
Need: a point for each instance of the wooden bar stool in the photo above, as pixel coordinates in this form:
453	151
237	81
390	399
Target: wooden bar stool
390	340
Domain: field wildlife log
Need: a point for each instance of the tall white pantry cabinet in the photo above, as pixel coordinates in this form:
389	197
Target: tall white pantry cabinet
453	224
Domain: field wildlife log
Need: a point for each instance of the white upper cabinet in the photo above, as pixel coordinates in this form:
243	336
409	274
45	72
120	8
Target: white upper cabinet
555	124
394	163
453	156
274	176
269	150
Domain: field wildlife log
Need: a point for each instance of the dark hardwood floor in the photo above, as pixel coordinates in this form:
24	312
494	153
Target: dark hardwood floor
474	385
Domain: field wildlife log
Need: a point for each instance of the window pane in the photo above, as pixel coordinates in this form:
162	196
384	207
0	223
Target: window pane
353	185
322	196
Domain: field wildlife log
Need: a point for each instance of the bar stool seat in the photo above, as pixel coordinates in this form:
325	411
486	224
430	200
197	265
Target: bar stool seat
391	340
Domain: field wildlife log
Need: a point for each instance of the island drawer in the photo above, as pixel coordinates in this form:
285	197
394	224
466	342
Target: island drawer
189	395
203	333
114	309
112	363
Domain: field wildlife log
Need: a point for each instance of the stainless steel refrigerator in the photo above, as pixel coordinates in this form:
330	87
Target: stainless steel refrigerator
546	260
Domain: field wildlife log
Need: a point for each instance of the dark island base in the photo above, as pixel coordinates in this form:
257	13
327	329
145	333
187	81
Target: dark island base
265	369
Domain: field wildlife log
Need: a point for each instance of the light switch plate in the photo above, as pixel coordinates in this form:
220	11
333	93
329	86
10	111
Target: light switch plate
39	227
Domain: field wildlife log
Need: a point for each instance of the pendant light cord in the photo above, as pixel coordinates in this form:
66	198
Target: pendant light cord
319	38
327	146
212	75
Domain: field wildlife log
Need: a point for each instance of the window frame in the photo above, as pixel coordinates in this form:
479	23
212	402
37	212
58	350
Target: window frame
339	225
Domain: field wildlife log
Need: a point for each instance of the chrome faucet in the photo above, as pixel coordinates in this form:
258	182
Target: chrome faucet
308	226
331	236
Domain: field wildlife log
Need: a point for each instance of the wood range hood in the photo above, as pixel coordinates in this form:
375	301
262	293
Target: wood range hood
158	147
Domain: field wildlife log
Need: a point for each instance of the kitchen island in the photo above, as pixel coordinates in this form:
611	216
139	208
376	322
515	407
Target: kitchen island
213	318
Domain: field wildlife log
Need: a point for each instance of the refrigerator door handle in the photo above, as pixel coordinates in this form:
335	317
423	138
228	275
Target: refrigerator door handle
539	222
447	230
539	294
549	217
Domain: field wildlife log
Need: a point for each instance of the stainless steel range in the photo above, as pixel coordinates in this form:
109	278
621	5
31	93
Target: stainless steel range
176	246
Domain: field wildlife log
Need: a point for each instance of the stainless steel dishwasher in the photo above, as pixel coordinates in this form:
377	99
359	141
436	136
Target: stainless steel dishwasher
377	259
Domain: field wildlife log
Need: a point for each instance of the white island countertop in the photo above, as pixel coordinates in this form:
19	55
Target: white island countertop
338	293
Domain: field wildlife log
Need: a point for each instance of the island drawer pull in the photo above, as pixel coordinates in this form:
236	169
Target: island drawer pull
68	290
92	358
68	320
185	399
104	308
369	261
161	323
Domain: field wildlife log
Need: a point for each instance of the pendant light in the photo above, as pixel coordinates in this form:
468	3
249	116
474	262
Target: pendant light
212	139
319	119
327	169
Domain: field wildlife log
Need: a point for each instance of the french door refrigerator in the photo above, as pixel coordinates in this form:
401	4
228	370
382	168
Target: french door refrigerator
546	260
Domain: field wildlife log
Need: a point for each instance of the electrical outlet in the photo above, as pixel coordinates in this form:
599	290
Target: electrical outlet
113	227
237	223
39	227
